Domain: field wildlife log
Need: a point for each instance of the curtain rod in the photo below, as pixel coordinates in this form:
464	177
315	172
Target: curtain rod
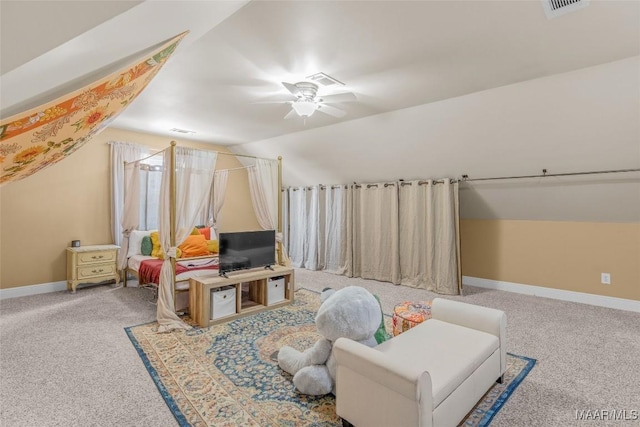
144	158
465	178
234	169
200	149
243	155
388	184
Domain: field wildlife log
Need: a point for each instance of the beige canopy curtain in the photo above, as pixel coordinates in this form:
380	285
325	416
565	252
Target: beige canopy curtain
130	214
220	179
264	186
122	153
186	187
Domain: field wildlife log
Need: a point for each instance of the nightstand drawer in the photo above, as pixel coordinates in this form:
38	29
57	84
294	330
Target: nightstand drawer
96	270
96	256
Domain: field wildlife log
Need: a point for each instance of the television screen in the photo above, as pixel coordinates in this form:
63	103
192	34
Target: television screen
246	249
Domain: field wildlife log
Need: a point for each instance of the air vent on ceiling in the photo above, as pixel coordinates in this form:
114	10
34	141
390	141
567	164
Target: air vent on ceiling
324	80
554	8
182	130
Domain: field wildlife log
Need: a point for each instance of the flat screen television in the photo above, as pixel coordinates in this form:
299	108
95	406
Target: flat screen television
246	249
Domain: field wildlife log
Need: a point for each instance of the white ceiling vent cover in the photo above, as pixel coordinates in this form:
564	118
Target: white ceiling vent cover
324	79
554	8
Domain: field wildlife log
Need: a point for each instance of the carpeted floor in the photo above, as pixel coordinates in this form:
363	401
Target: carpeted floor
65	359
227	374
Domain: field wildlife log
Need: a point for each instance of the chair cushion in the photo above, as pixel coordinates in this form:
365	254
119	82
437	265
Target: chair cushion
450	353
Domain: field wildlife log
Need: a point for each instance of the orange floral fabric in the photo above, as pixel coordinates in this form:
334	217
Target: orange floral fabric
408	314
40	137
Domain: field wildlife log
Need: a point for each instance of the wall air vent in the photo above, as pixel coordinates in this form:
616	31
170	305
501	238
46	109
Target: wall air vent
324	80
554	8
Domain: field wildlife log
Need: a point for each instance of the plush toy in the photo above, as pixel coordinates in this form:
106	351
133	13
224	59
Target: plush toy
352	312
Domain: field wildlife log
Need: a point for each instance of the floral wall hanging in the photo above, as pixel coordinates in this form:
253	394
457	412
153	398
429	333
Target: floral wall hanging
42	136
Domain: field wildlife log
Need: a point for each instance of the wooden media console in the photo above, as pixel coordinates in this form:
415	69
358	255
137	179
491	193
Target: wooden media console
249	291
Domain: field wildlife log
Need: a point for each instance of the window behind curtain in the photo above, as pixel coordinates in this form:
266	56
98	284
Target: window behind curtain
150	179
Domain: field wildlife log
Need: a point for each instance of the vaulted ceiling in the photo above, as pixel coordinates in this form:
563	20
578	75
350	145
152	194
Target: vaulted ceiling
220	82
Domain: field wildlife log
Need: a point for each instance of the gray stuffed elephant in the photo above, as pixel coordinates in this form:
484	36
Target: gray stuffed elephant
352	312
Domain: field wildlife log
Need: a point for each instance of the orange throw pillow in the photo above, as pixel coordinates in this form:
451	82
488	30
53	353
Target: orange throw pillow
194	245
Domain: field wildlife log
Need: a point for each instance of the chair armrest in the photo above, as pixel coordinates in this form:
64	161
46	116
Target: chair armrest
476	317
376	366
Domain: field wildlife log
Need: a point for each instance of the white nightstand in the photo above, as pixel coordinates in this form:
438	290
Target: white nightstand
91	264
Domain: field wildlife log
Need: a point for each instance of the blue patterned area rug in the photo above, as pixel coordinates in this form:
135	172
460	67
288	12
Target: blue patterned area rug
226	375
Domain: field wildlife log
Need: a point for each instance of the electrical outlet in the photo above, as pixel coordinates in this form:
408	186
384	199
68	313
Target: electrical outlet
605	278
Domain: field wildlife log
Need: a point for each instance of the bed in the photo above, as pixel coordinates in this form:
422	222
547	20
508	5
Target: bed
147	268
189	188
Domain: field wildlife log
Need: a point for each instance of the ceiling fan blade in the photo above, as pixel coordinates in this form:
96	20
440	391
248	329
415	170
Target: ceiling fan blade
339	97
292	88
270	102
290	114
332	111
277	99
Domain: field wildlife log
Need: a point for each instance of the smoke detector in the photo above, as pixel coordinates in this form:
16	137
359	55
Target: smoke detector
555	8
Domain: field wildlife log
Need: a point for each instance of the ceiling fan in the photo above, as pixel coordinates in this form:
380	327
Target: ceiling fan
307	100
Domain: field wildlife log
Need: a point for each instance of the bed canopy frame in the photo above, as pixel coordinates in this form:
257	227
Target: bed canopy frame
167	318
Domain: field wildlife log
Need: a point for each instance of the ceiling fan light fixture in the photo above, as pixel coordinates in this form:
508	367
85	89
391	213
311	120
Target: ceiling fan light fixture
304	107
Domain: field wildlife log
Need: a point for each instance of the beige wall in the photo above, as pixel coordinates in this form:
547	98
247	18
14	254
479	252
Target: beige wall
41	214
555	254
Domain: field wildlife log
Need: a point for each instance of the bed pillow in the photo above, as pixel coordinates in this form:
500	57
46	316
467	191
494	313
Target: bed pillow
194	245
135	242
206	232
156	250
146	247
212	246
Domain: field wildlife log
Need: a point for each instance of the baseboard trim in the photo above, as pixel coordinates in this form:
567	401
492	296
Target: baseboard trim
23	291
559	294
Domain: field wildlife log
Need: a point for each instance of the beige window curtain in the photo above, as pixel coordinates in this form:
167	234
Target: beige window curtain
375	232
321	231
413	229
297	225
429	236
193	176
338	230
403	232
285	218
312	235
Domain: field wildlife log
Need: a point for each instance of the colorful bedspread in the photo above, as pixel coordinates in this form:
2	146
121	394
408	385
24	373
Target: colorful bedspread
149	271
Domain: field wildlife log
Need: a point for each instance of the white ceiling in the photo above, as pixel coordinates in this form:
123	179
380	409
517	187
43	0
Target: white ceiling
391	54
